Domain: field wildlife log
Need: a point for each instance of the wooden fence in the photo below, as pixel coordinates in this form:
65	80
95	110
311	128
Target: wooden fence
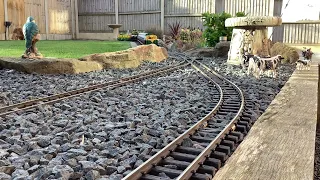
55	18
298	33
63	19
95	15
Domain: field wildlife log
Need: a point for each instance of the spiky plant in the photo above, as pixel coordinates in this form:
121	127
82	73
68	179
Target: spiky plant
174	30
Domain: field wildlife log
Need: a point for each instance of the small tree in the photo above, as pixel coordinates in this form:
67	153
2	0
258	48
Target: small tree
215	26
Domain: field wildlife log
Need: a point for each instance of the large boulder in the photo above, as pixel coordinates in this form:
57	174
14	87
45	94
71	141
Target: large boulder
50	66
129	58
289	54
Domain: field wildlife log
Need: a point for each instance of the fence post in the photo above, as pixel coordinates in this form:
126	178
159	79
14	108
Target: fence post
116	11
76	11
73	26
5	3
46	15
162	15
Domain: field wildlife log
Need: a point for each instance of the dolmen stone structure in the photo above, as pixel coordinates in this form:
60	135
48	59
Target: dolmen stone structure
250	36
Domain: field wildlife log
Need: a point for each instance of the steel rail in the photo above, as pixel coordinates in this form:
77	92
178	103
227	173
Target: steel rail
155	159
65	95
192	168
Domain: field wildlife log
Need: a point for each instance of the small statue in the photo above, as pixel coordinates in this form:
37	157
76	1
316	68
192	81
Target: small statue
31	36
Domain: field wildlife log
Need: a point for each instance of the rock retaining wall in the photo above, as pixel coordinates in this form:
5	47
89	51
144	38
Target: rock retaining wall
121	59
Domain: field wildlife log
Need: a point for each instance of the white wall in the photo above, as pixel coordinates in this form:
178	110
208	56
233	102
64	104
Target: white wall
300	10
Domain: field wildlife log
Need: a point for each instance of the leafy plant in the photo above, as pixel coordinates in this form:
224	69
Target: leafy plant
215	24
174	30
134	32
241	14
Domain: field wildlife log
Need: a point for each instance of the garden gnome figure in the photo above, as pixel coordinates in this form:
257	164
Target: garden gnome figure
31	36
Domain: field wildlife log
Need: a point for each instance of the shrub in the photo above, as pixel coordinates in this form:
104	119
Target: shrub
134	32
215	27
153	30
189	38
241	14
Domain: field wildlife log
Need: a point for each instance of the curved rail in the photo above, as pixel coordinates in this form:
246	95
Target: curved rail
190	168
112	84
146	166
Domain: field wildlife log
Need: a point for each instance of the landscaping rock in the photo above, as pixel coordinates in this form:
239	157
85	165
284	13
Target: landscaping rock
222	49
4	176
62	171
120	126
7	169
50	66
129	58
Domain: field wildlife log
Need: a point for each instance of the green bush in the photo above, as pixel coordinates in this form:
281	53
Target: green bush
215	26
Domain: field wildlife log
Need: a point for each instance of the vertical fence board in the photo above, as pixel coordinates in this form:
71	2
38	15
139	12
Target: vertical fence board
1	16
60	17
95	15
298	33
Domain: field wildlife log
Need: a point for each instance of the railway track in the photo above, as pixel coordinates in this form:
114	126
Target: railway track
213	138
69	94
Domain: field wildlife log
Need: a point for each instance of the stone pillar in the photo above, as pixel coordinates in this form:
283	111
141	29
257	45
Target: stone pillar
252	40
115	28
235	45
115	33
250	36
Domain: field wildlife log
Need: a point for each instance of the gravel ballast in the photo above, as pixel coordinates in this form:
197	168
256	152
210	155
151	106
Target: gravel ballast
17	86
107	133
262	91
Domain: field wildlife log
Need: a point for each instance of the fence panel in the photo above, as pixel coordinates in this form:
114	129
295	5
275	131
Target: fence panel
95	15
139	14
176	7
298	33
60	17
127	6
36	9
2	28
252	7
16	13
187	12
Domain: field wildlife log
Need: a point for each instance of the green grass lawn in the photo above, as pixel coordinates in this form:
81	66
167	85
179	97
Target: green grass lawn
63	49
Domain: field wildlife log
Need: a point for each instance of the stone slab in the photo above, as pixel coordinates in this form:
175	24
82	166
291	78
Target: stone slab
50	65
281	144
